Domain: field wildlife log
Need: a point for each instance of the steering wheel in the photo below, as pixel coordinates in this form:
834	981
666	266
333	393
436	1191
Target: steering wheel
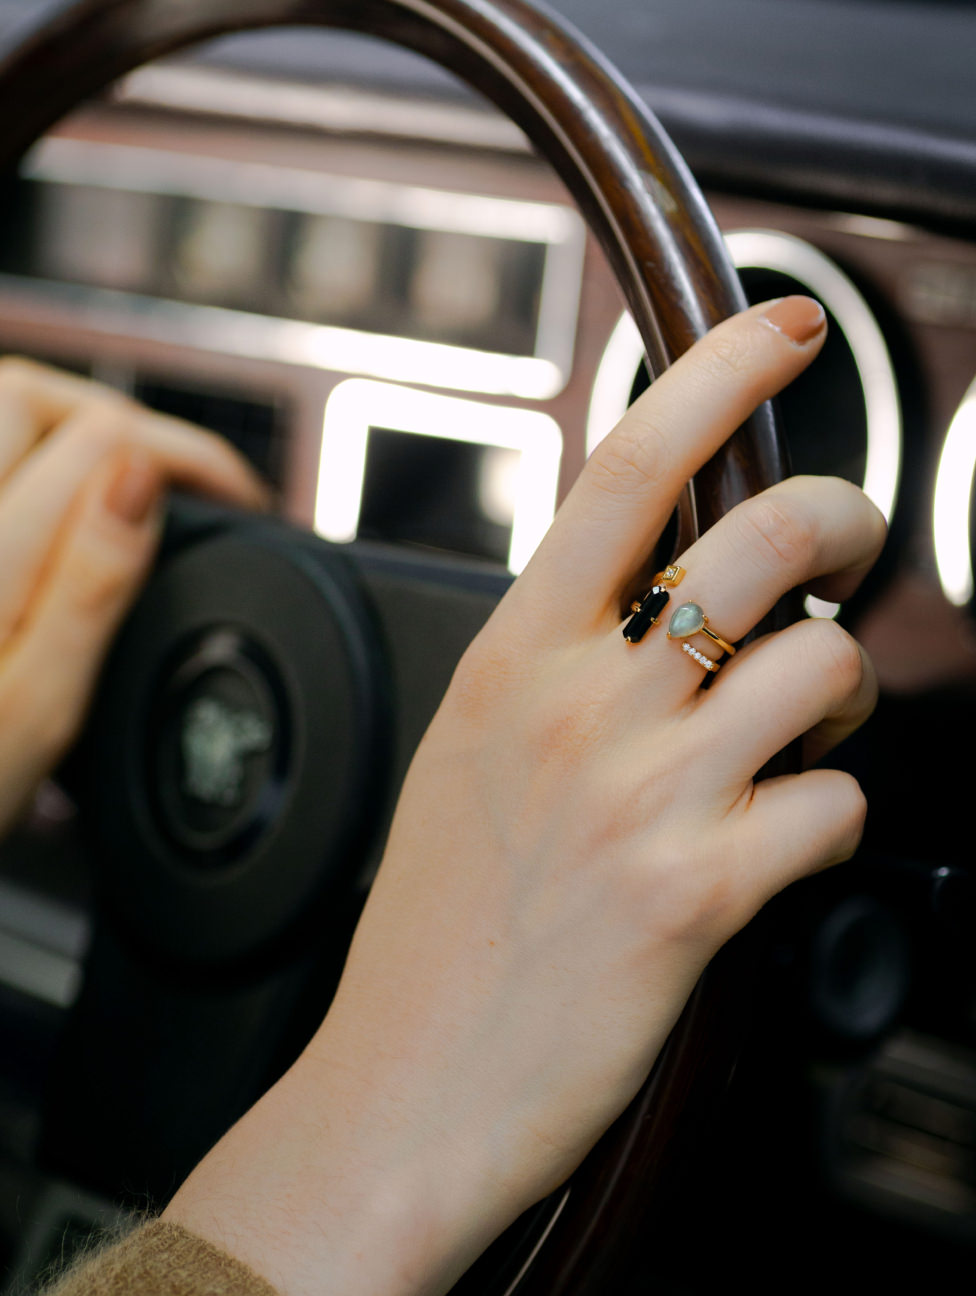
215	907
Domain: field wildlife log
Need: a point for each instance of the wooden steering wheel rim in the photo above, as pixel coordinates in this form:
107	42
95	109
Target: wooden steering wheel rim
641	203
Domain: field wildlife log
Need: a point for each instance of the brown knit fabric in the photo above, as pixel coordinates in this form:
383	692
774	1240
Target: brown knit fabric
160	1259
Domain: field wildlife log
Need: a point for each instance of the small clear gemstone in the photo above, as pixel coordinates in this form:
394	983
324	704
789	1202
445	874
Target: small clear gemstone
686	620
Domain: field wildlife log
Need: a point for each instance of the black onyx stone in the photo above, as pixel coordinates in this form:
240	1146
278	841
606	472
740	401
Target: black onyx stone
652	605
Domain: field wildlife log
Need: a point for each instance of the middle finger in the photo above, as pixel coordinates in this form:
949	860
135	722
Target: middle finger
801	530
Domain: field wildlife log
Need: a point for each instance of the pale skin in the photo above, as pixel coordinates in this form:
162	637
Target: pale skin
82	471
578	834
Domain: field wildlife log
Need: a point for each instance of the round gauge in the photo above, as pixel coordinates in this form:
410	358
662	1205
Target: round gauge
843	416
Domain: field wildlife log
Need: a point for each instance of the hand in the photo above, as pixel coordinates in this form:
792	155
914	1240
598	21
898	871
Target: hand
82	470
578	834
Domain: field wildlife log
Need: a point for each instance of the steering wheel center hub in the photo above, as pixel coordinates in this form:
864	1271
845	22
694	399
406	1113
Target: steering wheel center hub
219	747
236	750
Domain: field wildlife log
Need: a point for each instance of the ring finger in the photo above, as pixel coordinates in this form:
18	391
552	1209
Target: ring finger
811	679
800	530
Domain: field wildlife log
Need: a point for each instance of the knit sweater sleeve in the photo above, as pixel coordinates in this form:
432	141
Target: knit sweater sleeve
160	1259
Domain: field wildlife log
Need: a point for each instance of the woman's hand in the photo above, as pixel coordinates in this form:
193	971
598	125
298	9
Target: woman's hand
82	471
578	834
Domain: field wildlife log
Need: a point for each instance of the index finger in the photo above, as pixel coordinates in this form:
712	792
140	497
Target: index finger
616	511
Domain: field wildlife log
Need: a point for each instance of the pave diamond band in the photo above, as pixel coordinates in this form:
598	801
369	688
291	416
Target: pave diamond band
700	658
689	619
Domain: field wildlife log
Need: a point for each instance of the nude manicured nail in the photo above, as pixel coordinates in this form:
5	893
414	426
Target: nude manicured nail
798	318
133	489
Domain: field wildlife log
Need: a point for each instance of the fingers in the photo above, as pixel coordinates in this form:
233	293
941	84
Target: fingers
810	679
34	400
627	491
820	814
798	530
40	489
803	530
48	668
39	496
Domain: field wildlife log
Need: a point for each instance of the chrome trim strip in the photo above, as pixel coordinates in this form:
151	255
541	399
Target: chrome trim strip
140	169
341	110
556	226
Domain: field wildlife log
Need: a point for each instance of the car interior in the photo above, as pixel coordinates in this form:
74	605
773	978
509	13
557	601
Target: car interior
341	256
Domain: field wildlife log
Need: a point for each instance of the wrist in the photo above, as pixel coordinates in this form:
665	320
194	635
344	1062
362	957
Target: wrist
322	1186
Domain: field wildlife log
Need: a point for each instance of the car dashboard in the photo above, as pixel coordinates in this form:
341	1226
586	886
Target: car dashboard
345	262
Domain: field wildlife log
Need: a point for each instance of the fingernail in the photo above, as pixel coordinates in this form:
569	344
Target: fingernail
798	318
134	488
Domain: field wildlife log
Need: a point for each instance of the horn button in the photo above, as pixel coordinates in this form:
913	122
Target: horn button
235	750
220	747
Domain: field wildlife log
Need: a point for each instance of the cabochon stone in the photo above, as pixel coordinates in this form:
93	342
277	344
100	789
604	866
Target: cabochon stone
686	620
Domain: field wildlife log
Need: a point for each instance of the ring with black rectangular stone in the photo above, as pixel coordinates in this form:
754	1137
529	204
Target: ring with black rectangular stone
646	612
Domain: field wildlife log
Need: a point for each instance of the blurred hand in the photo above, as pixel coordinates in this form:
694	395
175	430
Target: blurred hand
578	834
82	473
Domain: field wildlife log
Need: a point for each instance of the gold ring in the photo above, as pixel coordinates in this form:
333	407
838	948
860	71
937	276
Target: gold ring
688	620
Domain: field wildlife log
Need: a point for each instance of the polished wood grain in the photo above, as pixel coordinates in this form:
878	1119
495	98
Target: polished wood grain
642	205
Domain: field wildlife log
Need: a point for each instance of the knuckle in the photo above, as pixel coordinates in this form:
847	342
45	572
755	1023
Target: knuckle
777	533
852	815
101	428
482	679
634	458
728	354
565	729
839	656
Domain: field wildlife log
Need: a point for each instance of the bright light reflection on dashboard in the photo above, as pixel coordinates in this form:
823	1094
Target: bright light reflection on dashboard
771	250
952	503
757	249
358	406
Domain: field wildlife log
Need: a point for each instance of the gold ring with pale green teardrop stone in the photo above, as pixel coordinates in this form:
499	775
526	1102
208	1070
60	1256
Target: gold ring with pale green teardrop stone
689	619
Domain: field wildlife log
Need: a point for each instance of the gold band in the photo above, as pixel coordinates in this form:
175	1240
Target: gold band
672	576
722	643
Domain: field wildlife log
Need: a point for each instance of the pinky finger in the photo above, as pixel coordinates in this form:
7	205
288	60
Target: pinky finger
799	824
48	669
